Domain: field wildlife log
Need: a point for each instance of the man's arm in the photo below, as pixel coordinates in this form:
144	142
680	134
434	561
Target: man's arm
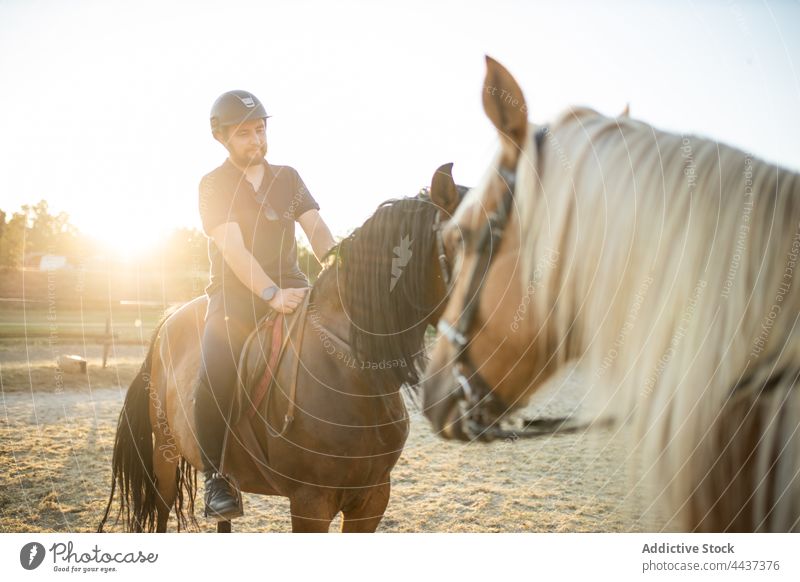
318	233
229	240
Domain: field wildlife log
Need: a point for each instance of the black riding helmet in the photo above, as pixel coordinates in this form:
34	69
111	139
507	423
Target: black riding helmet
235	107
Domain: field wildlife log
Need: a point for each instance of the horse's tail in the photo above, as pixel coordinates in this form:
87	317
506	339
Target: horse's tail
755	483
132	461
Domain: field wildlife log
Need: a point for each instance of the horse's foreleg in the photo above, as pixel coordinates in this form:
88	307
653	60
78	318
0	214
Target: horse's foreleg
366	514
312	512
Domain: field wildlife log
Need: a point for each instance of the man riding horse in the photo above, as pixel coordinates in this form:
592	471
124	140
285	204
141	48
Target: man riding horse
248	209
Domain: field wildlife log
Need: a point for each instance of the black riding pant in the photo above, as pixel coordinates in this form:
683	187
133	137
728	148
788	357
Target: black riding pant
230	318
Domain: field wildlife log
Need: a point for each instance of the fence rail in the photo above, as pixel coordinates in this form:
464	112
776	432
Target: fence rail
123	321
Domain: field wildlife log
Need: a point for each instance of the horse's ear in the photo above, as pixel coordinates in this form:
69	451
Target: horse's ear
504	103
443	189
626	112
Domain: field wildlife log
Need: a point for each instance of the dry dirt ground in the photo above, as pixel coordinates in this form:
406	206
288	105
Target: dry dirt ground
55	455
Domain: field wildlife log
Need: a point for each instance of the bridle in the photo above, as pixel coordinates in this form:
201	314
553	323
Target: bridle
441	253
479	407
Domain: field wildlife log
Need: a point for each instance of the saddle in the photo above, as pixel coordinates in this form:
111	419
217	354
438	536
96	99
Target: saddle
263	351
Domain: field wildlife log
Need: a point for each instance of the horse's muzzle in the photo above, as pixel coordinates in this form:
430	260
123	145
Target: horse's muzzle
441	397
453	405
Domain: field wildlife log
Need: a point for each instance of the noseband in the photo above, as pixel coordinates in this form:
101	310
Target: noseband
479	407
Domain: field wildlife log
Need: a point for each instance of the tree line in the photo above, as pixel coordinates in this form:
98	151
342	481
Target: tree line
35	229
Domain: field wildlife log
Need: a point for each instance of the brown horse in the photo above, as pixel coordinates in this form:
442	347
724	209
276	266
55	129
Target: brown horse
363	340
662	265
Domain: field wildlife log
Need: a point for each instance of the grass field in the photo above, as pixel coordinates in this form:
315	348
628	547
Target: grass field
128	323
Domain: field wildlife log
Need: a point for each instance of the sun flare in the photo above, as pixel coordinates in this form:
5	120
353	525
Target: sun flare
124	239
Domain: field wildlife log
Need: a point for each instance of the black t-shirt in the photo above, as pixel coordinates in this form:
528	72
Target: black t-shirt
266	219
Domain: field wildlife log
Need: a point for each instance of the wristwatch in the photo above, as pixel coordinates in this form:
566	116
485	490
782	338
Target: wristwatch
269	292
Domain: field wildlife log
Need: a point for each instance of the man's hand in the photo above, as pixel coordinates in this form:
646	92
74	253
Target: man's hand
287	300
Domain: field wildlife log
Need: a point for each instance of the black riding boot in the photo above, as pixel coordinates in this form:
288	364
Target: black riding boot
223	501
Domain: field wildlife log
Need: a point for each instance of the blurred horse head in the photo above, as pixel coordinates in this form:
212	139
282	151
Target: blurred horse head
663	266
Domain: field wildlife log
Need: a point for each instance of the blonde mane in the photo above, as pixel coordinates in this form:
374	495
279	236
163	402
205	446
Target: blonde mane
674	284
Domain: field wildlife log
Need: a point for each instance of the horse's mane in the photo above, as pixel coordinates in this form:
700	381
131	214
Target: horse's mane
380	272
664	264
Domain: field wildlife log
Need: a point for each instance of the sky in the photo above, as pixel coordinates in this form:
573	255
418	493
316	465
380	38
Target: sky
104	105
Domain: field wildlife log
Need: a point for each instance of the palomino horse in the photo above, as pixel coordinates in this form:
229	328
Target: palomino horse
381	289
663	266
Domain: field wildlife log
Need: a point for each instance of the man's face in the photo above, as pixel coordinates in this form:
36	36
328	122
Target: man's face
246	143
